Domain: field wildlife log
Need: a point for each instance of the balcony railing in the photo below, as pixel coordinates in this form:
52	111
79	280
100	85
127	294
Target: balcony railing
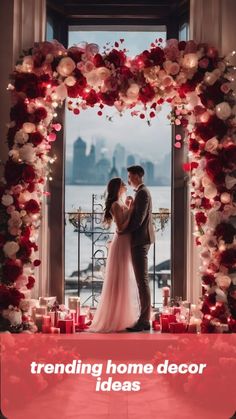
90	225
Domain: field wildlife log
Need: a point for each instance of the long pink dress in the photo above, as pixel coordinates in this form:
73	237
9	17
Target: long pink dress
119	305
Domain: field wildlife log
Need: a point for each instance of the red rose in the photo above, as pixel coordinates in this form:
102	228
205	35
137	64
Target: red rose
109	97
31	187
98	60
157	56
11	270
32	206
182	45
212	95
214	168
213	127
37	262
91	98
22	80
2	240
117	58
13	172
228	258
11	135
31	281
75	54
208	279
36	138
225	231
28	174
39	114
19	114
9	296
146	93
205	203
229	156
193	145
200	218
77	89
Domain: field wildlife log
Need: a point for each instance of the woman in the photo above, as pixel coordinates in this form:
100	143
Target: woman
119	306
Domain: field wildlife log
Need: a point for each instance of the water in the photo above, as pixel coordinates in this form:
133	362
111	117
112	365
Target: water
81	196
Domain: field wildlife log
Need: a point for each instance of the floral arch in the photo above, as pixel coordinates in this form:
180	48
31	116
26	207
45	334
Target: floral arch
197	83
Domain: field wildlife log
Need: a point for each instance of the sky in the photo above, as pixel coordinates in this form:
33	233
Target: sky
151	142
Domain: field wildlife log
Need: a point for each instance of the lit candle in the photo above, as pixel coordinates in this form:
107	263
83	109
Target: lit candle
164	324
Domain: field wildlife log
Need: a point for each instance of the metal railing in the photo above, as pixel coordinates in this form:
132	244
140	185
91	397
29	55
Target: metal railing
90	224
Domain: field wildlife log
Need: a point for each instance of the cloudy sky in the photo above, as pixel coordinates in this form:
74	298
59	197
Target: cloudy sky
150	142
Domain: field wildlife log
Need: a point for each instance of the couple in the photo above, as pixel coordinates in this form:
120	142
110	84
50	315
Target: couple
125	299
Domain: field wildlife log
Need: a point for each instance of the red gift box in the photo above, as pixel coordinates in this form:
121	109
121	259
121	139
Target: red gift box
66	326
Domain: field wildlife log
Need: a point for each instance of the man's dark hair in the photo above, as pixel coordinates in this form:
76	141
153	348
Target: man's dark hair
136	170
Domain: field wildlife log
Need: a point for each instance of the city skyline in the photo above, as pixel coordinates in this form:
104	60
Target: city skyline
94	165
152	141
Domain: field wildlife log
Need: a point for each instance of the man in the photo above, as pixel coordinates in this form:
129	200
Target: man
142	230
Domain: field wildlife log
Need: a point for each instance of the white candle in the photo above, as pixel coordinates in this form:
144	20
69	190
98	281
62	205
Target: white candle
74	303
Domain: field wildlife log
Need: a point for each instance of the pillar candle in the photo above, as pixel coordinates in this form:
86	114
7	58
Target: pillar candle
74	304
177	327
41	310
55	330
66	326
39	321
166	295
44	301
52	315
46	320
164	325
156	326
46	328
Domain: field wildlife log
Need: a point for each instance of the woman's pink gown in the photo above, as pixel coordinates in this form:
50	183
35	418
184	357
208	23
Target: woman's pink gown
119	305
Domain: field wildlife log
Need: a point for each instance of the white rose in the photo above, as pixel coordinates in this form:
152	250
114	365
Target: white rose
11	248
212	145
21	137
14	316
14	154
133	91
214	218
28	127
103	73
222	280
66	66
25	304
27	153
7	200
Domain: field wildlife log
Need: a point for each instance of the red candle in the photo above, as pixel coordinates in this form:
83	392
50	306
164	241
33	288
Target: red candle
66	326
46	328
177	327
164	325
82	319
55	330
156	326
46	320
176	310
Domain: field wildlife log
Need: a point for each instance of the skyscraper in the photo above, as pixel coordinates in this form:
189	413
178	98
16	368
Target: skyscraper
79	171
130	160
119	154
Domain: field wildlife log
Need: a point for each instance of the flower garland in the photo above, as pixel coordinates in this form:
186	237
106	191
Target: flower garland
194	80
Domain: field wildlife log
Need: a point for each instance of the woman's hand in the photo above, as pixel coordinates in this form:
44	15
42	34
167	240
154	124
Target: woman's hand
129	201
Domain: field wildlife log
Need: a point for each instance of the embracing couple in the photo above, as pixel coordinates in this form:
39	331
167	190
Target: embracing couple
125	299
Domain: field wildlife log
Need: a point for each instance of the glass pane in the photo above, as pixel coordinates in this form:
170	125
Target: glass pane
96	149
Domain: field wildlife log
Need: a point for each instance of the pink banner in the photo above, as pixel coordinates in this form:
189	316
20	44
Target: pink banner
118	376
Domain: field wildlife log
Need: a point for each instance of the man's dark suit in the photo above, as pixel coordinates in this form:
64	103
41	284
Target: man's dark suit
142	230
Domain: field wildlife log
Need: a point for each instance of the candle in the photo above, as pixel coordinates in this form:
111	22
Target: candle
165	295
46	328
66	326
39	321
52	315
156	326
46	321
74	304
44	301
81	319
176	310
177	327
55	330
73	315
33	313
41	310
164	325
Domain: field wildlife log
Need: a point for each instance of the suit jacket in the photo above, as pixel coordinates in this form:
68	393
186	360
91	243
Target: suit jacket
141	224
